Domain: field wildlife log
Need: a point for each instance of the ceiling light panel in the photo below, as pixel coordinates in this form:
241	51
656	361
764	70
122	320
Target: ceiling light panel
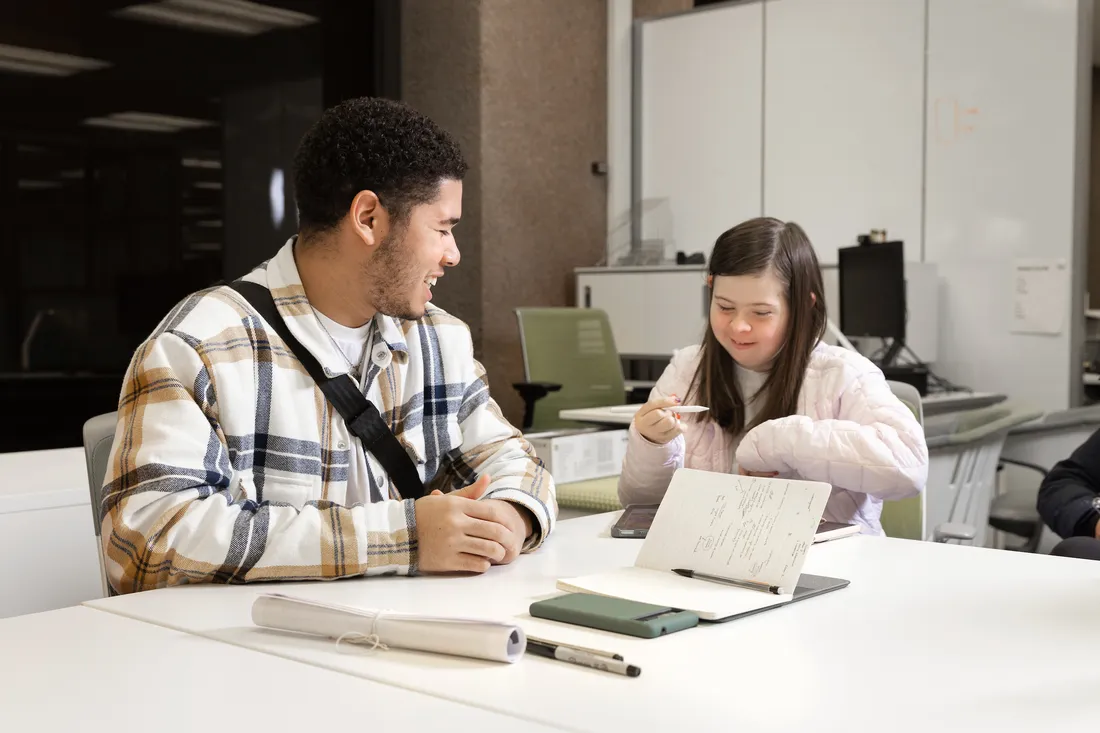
235	17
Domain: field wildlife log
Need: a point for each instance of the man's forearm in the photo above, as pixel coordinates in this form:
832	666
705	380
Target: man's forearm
1066	507
1088	525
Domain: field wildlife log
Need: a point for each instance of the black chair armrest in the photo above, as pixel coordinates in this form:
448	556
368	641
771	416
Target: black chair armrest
532	392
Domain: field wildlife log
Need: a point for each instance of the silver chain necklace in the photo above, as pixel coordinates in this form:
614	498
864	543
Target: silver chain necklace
355	369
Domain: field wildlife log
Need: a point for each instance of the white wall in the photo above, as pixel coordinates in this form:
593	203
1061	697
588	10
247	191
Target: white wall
1002	155
957	125
843	119
701	115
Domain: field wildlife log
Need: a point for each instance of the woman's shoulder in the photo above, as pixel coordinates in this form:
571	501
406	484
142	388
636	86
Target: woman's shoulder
838	362
687	357
680	371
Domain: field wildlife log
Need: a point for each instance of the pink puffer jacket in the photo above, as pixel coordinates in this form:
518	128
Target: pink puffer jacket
850	431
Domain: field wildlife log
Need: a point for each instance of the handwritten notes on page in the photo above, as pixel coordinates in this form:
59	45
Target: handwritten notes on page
735	527
739	527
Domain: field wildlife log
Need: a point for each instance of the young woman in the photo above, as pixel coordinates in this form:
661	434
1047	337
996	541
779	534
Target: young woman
781	401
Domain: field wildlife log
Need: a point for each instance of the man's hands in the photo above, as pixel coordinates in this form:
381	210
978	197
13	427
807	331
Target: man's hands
458	533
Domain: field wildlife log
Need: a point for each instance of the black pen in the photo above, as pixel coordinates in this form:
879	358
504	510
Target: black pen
553	644
582	658
749	584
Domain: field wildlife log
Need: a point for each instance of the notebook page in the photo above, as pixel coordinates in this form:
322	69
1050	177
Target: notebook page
732	526
709	601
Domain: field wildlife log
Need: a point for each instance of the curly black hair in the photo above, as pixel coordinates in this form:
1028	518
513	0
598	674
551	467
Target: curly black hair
371	144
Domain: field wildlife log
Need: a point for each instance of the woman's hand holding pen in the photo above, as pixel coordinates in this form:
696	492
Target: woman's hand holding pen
657	420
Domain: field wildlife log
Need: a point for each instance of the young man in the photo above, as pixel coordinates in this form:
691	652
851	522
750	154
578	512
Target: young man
1069	501
229	464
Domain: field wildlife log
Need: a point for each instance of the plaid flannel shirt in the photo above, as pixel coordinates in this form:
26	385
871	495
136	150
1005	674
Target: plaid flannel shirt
230	466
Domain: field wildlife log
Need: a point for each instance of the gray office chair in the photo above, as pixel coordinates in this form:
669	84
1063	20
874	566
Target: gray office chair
964	451
908	394
99	435
1014	511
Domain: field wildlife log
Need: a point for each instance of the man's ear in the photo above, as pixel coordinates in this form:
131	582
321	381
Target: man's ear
365	213
710	281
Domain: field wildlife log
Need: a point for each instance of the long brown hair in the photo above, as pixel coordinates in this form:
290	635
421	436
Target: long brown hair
752	248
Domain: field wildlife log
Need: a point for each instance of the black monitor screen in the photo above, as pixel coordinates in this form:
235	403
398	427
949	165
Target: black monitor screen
872	290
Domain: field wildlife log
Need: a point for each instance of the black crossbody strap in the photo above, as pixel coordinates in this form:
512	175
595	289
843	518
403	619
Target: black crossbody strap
362	417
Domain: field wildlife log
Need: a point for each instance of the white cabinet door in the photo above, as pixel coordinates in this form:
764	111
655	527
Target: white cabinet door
651	313
843	119
701	87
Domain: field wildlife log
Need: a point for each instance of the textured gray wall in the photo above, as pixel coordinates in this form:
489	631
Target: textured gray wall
523	85
441	77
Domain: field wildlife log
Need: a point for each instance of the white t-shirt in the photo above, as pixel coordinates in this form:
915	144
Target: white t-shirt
750	383
354	343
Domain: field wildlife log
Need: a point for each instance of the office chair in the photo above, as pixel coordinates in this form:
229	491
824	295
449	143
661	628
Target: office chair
569	361
1034	447
99	435
964	453
1014	512
964	459
904	518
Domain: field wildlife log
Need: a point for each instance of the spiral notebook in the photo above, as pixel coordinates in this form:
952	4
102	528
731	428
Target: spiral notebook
742	528
497	641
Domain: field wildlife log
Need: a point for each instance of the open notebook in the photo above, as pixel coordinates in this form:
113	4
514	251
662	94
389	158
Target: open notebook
739	527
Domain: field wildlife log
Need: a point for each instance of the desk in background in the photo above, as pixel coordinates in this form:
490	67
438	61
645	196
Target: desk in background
960	636
933	404
48	556
639	384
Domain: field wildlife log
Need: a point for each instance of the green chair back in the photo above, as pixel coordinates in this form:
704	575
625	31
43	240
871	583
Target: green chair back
572	347
904	518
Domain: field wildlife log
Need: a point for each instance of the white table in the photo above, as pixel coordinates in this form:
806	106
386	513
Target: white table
82	669
927	637
45	505
600	415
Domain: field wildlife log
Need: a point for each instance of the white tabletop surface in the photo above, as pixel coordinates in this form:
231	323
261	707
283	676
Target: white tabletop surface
927	637
43	479
78	669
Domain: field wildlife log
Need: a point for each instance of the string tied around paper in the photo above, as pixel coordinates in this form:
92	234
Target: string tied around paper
372	638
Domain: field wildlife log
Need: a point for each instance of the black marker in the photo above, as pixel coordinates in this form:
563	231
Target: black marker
750	584
582	658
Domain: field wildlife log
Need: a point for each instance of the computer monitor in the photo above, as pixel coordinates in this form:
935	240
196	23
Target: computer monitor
872	293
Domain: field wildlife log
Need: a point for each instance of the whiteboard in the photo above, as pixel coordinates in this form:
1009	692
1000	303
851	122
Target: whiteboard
701	103
844	119
1002	118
